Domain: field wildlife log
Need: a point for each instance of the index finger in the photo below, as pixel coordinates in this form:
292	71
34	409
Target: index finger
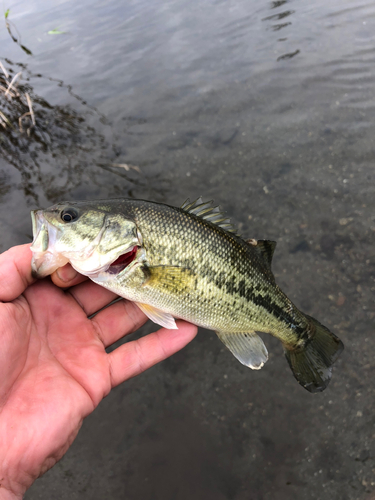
135	357
15	272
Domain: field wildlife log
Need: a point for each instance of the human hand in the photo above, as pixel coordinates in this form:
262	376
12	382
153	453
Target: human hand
53	364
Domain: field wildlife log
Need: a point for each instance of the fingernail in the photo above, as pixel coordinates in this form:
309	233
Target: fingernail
66	273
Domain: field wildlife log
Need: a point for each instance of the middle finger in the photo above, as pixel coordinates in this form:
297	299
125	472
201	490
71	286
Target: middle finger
91	297
118	320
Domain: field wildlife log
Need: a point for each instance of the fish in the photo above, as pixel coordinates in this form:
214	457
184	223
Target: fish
186	262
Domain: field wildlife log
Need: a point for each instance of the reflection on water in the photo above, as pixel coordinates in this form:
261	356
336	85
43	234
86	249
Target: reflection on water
279	26
279	3
288	56
279	16
14	33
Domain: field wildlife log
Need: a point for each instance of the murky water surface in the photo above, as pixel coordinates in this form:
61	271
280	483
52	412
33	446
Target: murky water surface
268	108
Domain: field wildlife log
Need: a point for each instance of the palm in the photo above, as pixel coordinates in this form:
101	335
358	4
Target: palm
56	369
63	370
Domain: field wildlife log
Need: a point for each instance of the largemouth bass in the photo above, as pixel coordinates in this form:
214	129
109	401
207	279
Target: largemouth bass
187	263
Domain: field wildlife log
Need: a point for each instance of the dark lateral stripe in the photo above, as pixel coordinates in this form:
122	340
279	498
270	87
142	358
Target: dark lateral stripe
265	301
280	314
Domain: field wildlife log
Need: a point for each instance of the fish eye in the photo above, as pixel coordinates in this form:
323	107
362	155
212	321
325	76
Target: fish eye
69	215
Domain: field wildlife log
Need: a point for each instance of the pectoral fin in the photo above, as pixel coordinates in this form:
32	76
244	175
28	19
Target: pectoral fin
248	348
159	317
169	279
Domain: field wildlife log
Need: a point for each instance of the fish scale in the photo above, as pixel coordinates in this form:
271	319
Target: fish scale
209	256
188	263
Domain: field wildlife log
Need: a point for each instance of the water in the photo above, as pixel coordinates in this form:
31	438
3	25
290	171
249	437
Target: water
268	108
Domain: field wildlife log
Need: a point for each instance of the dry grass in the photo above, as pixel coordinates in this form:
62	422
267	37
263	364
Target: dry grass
8	88
127	167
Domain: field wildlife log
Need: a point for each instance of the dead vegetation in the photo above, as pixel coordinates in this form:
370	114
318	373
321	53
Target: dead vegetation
10	93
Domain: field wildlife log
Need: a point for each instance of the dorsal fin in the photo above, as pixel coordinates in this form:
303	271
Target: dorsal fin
206	211
265	247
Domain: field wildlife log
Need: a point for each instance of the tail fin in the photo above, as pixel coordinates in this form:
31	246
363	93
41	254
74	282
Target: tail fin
312	364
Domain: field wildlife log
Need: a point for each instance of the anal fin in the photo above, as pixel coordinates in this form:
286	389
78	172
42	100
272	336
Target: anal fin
248	348
159	317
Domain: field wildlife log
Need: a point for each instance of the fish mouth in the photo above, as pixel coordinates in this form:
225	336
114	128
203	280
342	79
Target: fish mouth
43	262
40	232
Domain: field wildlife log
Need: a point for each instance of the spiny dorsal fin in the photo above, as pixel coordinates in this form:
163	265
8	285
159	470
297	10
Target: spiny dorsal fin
265	247
206	211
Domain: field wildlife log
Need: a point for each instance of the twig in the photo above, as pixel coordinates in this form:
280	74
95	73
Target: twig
4	89
2	121
28	113
30	108
5	120
21	118
5	72
12	82
126	167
